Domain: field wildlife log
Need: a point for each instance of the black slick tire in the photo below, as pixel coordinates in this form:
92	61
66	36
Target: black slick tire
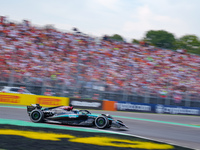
37	116
101	122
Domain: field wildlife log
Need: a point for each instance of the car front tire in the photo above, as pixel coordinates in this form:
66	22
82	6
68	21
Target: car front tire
101	122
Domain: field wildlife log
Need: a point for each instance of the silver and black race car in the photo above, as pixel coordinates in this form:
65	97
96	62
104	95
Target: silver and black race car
67	115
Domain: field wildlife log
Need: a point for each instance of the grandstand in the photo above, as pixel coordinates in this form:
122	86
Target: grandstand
77	65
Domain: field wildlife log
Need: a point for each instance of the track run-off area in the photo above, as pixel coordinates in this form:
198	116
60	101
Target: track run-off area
179	130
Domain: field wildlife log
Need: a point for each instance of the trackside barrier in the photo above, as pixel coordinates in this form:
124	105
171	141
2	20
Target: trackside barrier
24	99
86	103
156	108
93	104
109	105
133	106
50	101
136	107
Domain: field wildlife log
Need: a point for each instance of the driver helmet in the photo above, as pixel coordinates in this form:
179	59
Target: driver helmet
71	107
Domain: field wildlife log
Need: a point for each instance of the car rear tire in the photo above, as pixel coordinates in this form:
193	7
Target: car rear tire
101	122
37	116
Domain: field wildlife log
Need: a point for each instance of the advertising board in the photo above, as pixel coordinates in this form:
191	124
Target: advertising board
24	99
51	101
86	104
132	106
156	108
164	109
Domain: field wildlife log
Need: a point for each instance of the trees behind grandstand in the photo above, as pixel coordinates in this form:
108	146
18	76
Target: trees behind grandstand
164	39
189	42
161	38
115	37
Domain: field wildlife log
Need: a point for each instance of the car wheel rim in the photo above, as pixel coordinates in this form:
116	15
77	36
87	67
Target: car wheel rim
36	116
101	122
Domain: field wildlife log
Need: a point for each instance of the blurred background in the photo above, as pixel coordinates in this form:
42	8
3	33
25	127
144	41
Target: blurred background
46	61
158	68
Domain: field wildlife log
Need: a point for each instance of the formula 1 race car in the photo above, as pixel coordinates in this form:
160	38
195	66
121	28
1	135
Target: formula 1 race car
66	115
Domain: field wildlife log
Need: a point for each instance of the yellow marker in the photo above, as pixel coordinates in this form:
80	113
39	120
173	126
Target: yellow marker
36	135
107	141
102	141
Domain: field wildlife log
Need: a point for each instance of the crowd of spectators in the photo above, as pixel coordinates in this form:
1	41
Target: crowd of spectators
48	56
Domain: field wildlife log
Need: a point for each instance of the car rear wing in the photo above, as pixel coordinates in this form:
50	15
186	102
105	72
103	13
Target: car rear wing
32	107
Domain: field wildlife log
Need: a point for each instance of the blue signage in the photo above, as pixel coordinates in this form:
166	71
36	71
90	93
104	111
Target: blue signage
131	106
156	108
166	109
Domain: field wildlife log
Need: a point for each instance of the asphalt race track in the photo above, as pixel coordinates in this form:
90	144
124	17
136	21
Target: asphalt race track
173	129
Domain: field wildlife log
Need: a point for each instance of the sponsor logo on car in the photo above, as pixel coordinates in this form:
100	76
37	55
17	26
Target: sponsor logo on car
73	116
9	99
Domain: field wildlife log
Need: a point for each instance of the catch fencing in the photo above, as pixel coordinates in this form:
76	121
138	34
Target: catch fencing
97	91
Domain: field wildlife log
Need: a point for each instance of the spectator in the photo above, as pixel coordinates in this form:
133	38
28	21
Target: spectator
47	56
48	92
